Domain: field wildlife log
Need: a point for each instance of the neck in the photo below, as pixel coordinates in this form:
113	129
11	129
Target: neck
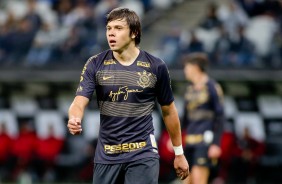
127	56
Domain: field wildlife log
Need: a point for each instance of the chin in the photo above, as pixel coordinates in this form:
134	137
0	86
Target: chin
113	48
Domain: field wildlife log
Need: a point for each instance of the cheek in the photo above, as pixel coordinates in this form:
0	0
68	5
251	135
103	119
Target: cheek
187	72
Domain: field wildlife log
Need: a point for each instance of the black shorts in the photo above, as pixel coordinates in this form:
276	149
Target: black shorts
198	155
143	171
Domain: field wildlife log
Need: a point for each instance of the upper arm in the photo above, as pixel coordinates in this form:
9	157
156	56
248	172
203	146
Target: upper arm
168	109
87	84
218	99
163	88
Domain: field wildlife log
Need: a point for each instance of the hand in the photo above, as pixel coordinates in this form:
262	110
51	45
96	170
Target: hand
181	166
247	154
74	126
214	151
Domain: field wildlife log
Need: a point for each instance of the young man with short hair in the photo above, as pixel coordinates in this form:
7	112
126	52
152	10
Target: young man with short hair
127	82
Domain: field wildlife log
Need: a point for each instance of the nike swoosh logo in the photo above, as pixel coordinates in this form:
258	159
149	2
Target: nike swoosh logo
106	78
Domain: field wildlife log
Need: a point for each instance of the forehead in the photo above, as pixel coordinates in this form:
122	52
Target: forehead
190	65
120	22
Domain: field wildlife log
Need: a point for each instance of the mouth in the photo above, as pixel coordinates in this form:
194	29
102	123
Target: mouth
112	42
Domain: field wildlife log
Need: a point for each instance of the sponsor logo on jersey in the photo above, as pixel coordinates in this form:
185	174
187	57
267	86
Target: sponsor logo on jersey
144	79
125	147
110	62
107	77
143	64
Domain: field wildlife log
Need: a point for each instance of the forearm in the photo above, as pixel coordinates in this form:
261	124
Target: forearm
76	109
172	123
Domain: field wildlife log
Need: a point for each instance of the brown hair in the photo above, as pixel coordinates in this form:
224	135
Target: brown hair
131	18
198	58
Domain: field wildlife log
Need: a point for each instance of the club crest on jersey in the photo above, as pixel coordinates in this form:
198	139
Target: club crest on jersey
144	79
109	62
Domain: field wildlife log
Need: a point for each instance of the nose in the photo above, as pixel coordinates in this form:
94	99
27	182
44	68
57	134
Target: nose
110	33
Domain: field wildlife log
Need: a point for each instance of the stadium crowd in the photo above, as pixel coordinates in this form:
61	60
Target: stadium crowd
44	32
240	33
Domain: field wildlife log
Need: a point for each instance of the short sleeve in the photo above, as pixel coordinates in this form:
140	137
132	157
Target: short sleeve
86	85
164	90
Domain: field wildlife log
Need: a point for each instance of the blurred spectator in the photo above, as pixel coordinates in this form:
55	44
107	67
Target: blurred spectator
276	50
4	47
169	46
87	28
70	50
5	37
47	150
86	168
227	144
195	45
22	150
166	157
63	9
232	16
21	40
242	50
5	150
221	50
211	20
246	153
33	17
75	154
42	47
260	31
255	8
252	7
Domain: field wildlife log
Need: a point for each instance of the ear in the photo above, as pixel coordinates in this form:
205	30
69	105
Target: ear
133	35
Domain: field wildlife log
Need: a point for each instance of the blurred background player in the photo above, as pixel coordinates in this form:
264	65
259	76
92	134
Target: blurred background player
203	118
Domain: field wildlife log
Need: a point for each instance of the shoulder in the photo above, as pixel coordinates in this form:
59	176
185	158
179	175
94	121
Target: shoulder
157	65
98	58
215	87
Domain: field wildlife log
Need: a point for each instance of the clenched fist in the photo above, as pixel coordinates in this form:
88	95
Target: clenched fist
74	126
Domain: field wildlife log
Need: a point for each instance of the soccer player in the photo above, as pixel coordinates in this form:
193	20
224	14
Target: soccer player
203	118
127	82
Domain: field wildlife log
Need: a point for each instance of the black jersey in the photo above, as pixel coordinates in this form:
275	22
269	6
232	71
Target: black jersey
204	111
126	97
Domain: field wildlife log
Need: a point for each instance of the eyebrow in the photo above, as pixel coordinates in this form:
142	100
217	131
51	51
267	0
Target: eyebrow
117	25
122	21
